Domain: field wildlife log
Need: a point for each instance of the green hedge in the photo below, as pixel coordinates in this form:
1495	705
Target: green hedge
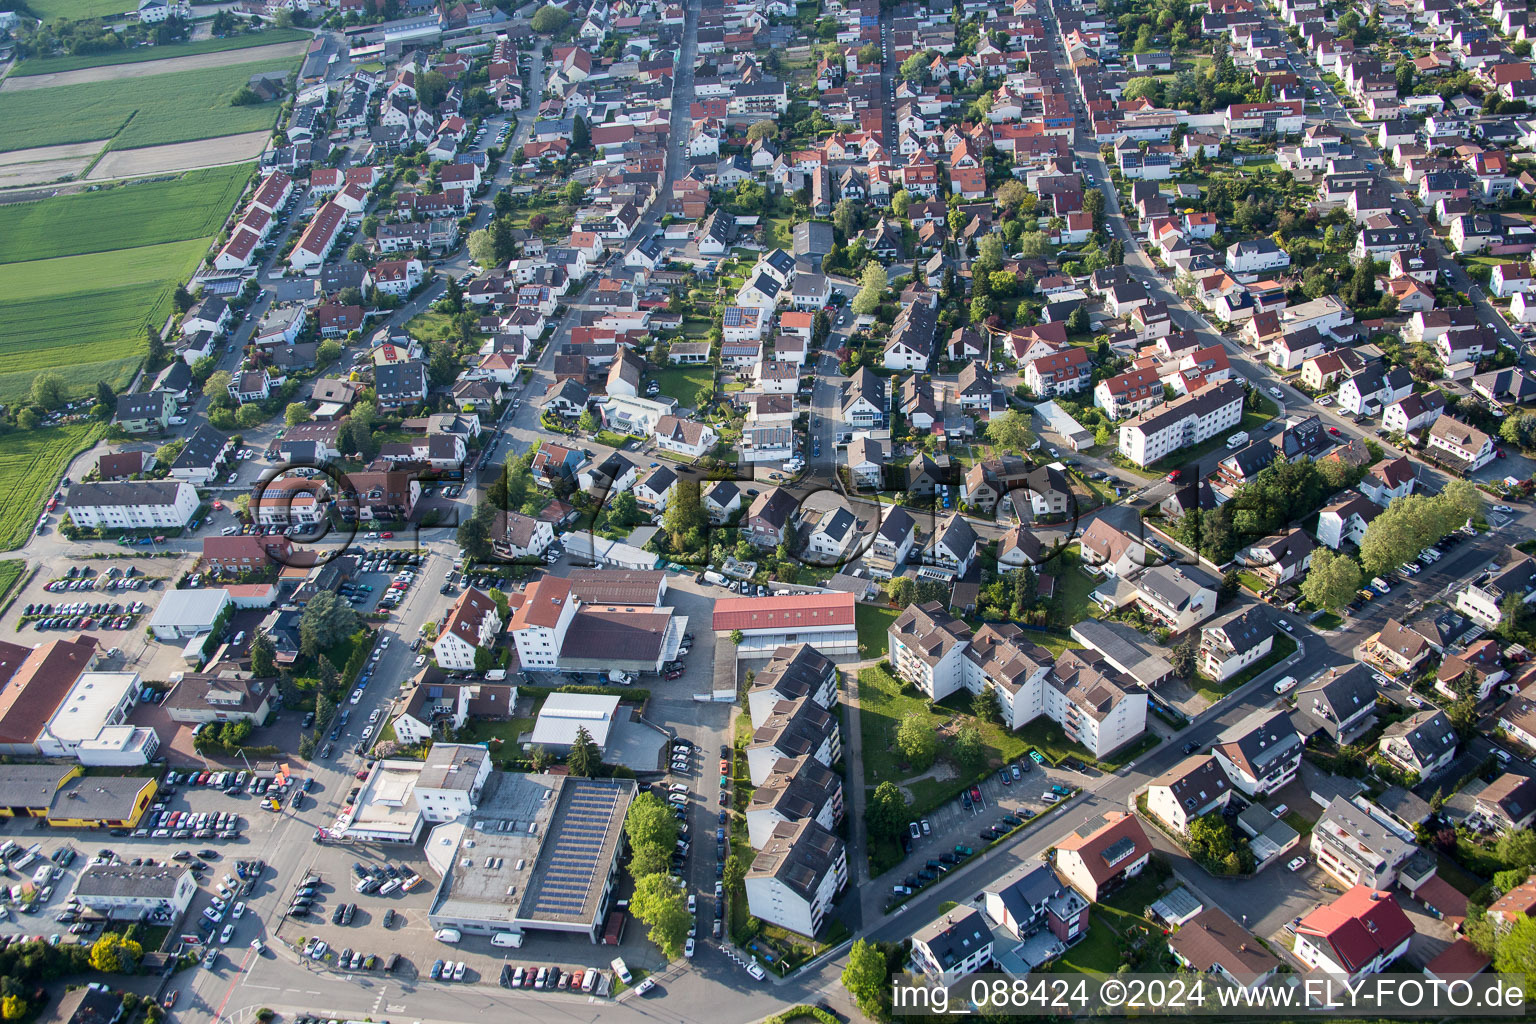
802	1010
639	694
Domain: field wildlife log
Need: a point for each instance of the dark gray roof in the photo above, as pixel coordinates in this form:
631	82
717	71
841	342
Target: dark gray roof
955	936
201	449
124	492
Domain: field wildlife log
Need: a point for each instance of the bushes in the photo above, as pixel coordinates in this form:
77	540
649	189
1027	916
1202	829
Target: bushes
796	1012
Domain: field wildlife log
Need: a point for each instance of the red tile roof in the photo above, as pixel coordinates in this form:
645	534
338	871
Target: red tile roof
1358	926
797	611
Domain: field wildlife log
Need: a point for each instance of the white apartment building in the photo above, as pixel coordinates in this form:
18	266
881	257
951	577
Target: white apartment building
939	654
796	875
155	892
132	505
1261	753
1230	647
955	946
471	625
1197	417
1358	844
451	780
796	789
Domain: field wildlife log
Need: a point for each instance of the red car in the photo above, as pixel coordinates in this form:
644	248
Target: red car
975	792
1333	430
674	674
1174	475
387	535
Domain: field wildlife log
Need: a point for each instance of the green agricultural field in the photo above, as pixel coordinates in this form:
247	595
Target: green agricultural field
180	107
84	316
31	464
190	205
79	10
141	54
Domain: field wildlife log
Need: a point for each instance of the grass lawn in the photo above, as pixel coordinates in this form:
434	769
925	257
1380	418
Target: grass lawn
128	216
430	325
1477	859
10	571
1074	588
500	737
1097	954
77	10
690	385
31	465
84	316
882	706
873	624
82	275
144	54
1328	620
1461	880
178	107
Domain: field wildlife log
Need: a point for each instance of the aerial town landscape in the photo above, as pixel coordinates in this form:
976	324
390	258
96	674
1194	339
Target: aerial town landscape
1089	444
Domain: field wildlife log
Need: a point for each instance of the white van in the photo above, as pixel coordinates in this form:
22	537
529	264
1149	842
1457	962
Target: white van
1285	685
622	971
449	935
512	939
1238	439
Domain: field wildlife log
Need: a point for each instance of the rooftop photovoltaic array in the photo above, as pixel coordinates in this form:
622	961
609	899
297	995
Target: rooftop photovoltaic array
577	855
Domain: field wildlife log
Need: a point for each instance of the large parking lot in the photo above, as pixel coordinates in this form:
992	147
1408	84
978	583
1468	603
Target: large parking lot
969	819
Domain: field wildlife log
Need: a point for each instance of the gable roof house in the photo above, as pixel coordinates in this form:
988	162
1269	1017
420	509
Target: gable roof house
1103	854
1191	789
1423	743
1340	703
1360	933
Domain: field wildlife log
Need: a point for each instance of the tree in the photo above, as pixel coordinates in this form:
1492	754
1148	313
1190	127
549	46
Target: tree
113	954
735	872
182	298
1078	322
1332	580
915	67
1011	431
901	202
296	413
737	637
1515	951
48	390
664	909
865	977
989	254
916	740
325	622
1142	88
263	656
104	395
482	248
155	346
589	422
584	759
986	706
1034	245
431	87
969	750
874	282
357	252
764	129
1183	658
12	1007
848	217
684	513
581	134
28	419
1517	849
886	813
328	352
249	416
650	823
